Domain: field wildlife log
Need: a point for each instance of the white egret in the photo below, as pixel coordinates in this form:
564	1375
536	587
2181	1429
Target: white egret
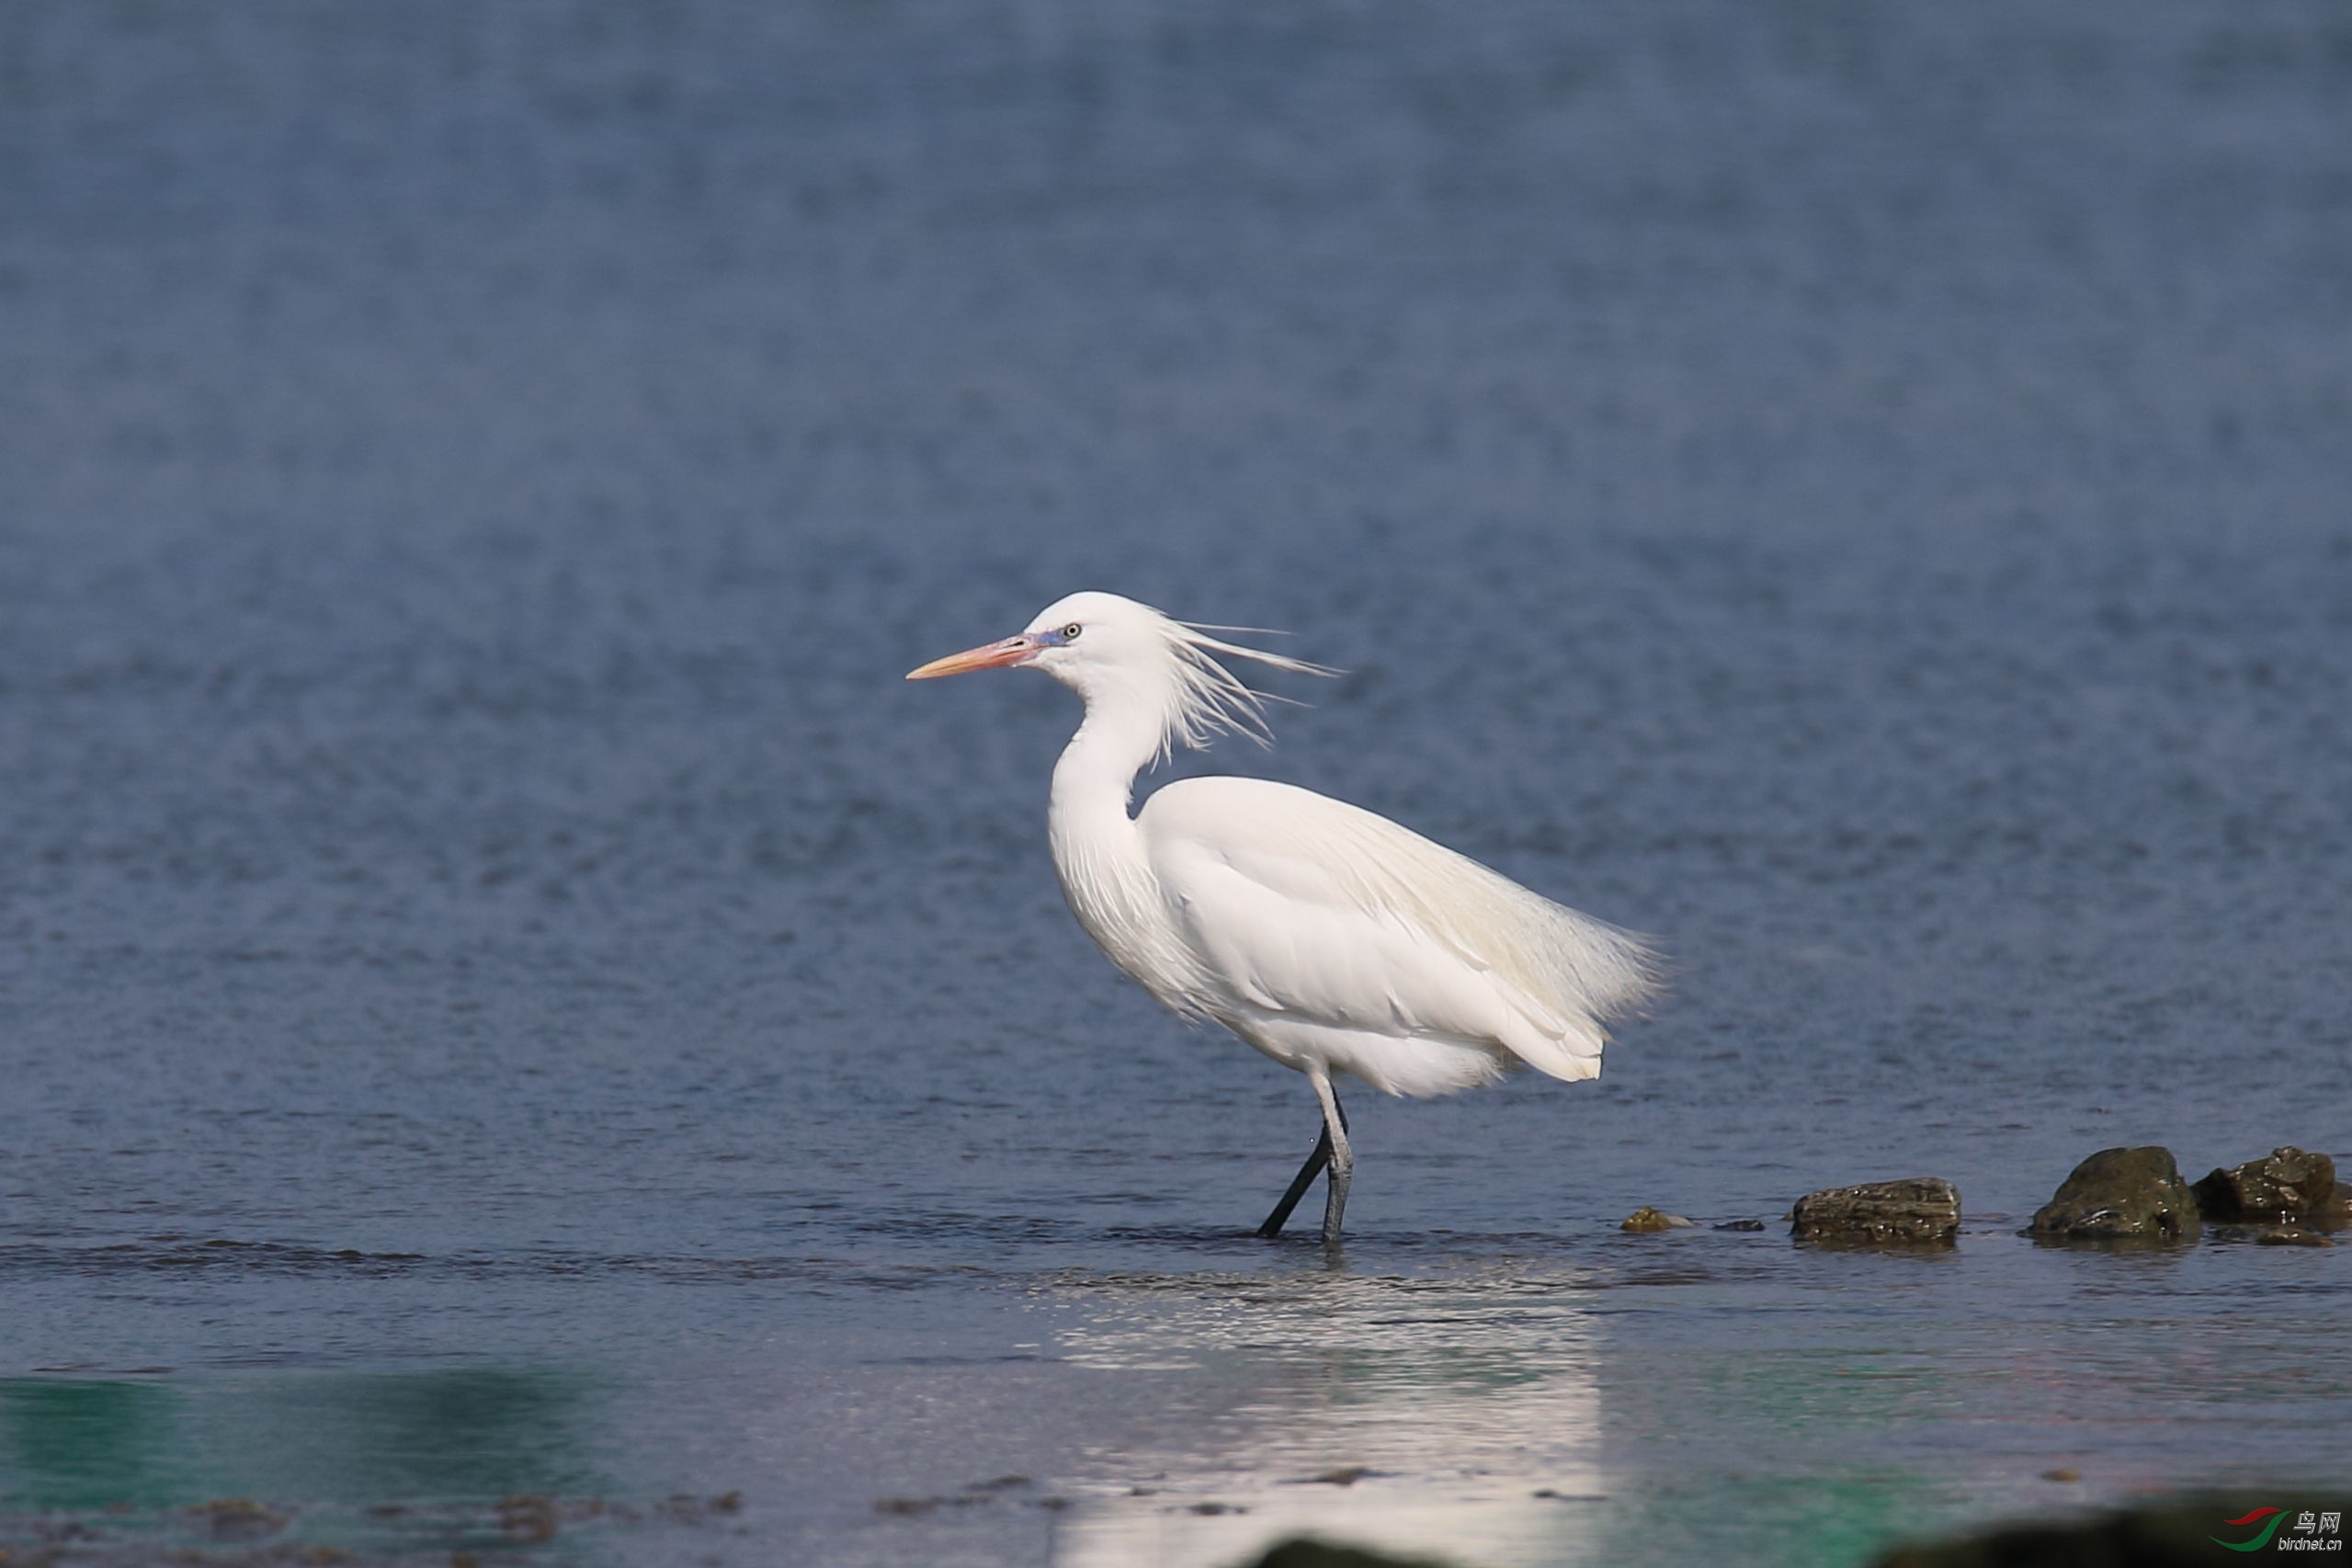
1331	939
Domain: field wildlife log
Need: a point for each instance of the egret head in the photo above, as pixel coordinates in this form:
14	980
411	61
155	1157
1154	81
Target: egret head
1114	651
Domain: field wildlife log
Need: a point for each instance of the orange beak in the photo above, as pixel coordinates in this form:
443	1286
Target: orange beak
992	656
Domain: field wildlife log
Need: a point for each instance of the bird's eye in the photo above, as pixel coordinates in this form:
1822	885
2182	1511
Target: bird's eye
1069	632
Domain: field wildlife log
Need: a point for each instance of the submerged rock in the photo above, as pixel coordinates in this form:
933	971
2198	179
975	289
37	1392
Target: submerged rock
2177	1534
1306	1552
528	1516
2120	1195
2288	1185
1345	1475
2291	1238
239	1517
1915	1211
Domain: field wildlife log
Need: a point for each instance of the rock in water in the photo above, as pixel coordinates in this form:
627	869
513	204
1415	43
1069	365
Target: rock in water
2291	1238
1916	1212
1306	1552
2288	1185
2120	1195
1646	1219
2184	1532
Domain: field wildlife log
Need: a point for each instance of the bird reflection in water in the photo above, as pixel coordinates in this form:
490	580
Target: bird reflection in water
1456	1419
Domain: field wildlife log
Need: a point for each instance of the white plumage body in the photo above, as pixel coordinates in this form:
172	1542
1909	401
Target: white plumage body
1328	937
1332	940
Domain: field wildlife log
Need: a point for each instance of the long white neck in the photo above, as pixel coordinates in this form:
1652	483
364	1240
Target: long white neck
1095	781
1098	850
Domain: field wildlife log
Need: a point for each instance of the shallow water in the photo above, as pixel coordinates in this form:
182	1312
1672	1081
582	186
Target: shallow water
503	991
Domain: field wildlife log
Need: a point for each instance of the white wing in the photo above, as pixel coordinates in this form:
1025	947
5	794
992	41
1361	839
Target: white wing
1304	909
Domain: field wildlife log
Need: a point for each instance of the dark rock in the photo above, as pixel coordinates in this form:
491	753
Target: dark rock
528	1518
240	1517
1916	1212
2291	1238
2120	1195
1304	1552
2179	1534
1345	1475
1741	1225
2288	1185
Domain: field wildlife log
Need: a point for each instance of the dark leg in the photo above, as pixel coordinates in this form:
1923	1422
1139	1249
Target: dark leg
1343	1160
1307	1172
1298	1185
